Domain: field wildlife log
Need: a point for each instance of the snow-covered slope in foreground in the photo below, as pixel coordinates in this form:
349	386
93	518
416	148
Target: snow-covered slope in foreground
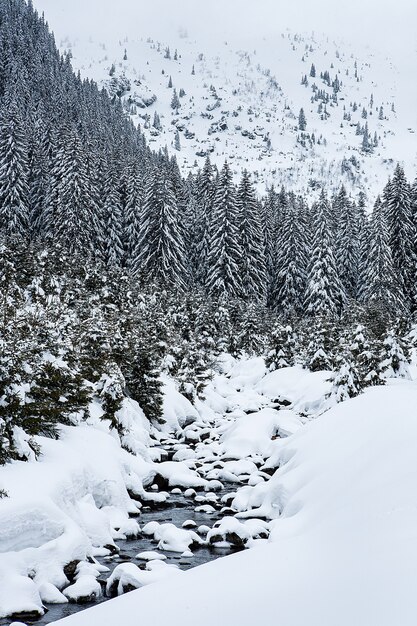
343	551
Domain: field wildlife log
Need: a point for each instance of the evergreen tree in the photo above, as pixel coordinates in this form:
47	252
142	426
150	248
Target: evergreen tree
112	212
394	363
325	294
382	284
282	351
364	353
175	102
320	349
253	269
73	218
132	210
345	383
14	172
346	250
289	279
302	122
159	254
250	335
399	216
224	255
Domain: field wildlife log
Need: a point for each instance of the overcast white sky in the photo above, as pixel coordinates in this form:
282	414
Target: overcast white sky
386	24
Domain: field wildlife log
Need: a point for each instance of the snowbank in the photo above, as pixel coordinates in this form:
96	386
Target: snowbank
253	434
62	509
343	551
304	389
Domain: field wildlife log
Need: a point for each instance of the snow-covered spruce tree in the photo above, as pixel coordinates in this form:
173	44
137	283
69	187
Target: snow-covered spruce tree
364	351
363	242
250	332
325	295
394	363
414	215
205	189
346	249
225	251
320	344
252	264
58	395
383	288
159	254
223	326
132	208
345	384
269	222
143	383
14	172
113	220
302	122
175	102
40	167
283	345
290	271
195	369
399	215
73	222
110	389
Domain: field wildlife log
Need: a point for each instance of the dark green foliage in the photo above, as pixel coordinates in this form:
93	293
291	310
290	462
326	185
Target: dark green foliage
110	388
224	255
143	383
321	340
302	122
283	347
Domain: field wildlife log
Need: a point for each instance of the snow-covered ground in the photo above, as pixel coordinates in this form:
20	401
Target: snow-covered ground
343	537
323	501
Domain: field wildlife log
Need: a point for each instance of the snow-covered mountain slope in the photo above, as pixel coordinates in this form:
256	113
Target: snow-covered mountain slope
243	105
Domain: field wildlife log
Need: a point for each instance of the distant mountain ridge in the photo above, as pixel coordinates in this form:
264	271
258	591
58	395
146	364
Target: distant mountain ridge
244	106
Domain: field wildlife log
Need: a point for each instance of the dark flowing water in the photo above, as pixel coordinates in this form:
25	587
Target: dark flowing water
179	510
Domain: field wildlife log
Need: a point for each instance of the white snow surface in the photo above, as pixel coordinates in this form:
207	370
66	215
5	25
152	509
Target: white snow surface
70	504
343	542
243	99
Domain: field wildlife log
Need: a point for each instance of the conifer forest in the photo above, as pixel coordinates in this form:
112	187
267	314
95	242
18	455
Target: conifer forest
197	358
